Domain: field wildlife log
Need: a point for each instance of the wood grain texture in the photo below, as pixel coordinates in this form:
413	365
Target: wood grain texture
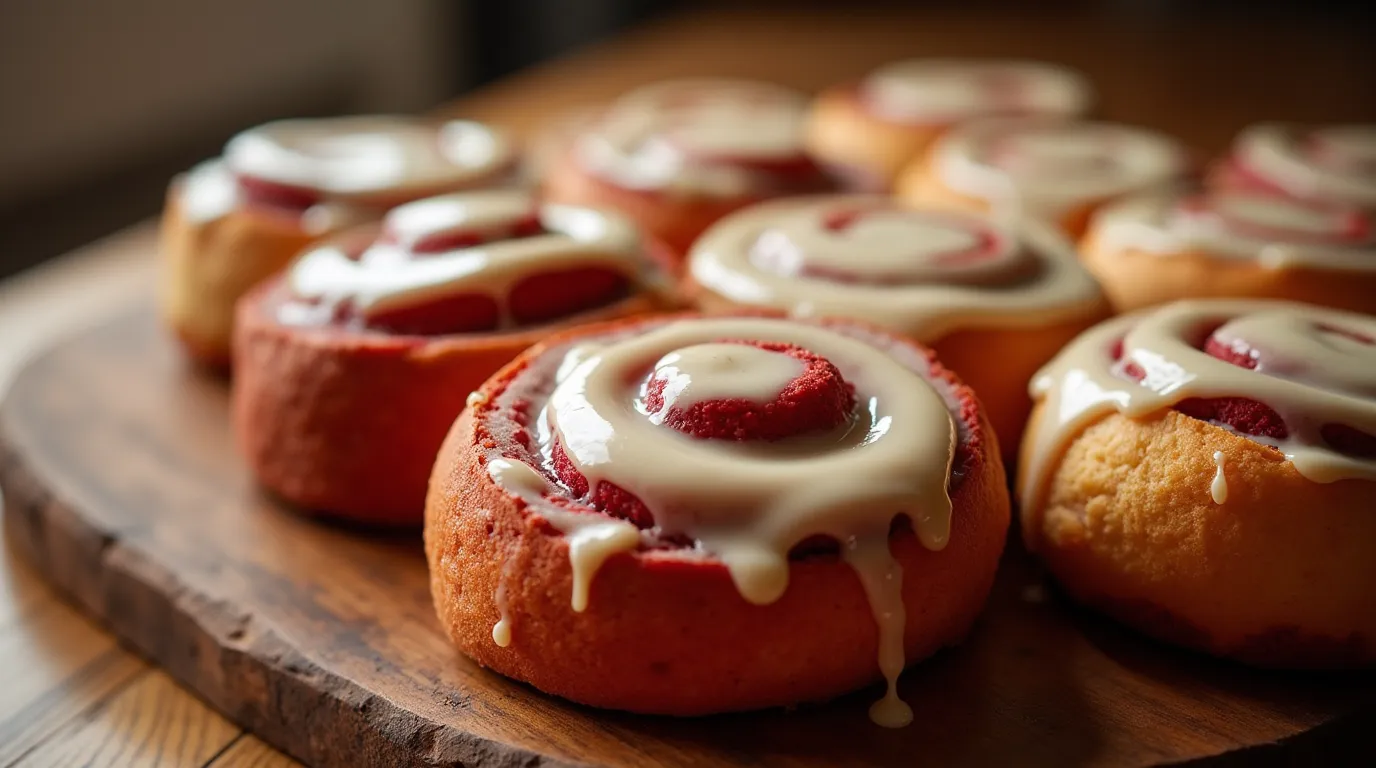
150	722
49	650
122	484
85	689
57	667
250	752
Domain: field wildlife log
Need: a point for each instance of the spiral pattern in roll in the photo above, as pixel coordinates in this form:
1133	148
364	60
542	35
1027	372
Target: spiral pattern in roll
471	262
1335	164
918	272
749	447
1056	169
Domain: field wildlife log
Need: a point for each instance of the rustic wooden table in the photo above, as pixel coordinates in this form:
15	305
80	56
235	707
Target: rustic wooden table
70	694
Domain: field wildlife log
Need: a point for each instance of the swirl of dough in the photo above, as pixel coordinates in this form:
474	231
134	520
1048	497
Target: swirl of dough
751	505
919	272
448	250
1334	164
746	499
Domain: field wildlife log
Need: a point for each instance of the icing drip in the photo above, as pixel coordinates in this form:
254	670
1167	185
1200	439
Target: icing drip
591	538
1219	487
942	91
1277	232
919	273
486	256
1314	367
518	477
748	503
501	631
714	137
1049	167
1336	164
882	578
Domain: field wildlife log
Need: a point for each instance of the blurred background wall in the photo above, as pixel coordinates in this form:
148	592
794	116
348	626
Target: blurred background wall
103	100
91	86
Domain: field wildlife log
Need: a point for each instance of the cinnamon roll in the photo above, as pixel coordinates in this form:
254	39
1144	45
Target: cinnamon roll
695	515
1158	247
995	299
1054	169
1332	165
874	128
351	365
232	221
679	155
1206	472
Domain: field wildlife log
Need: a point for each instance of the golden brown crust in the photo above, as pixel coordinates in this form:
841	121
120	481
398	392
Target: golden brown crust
666	631
997	363
919	185
1134	278
208	265
840	132
347	422
1279	575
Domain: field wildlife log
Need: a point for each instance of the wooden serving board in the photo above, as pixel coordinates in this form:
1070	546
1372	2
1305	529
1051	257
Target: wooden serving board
122	485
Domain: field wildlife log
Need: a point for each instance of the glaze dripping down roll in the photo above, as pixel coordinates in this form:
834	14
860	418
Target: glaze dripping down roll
1206	472
698	515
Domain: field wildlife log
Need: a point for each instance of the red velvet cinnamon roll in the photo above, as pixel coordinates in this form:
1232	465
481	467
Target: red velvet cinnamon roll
1206	472
350	367
233	221
995	300
872	129
679	155
1333	165
1055	169
694	515
1155	248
